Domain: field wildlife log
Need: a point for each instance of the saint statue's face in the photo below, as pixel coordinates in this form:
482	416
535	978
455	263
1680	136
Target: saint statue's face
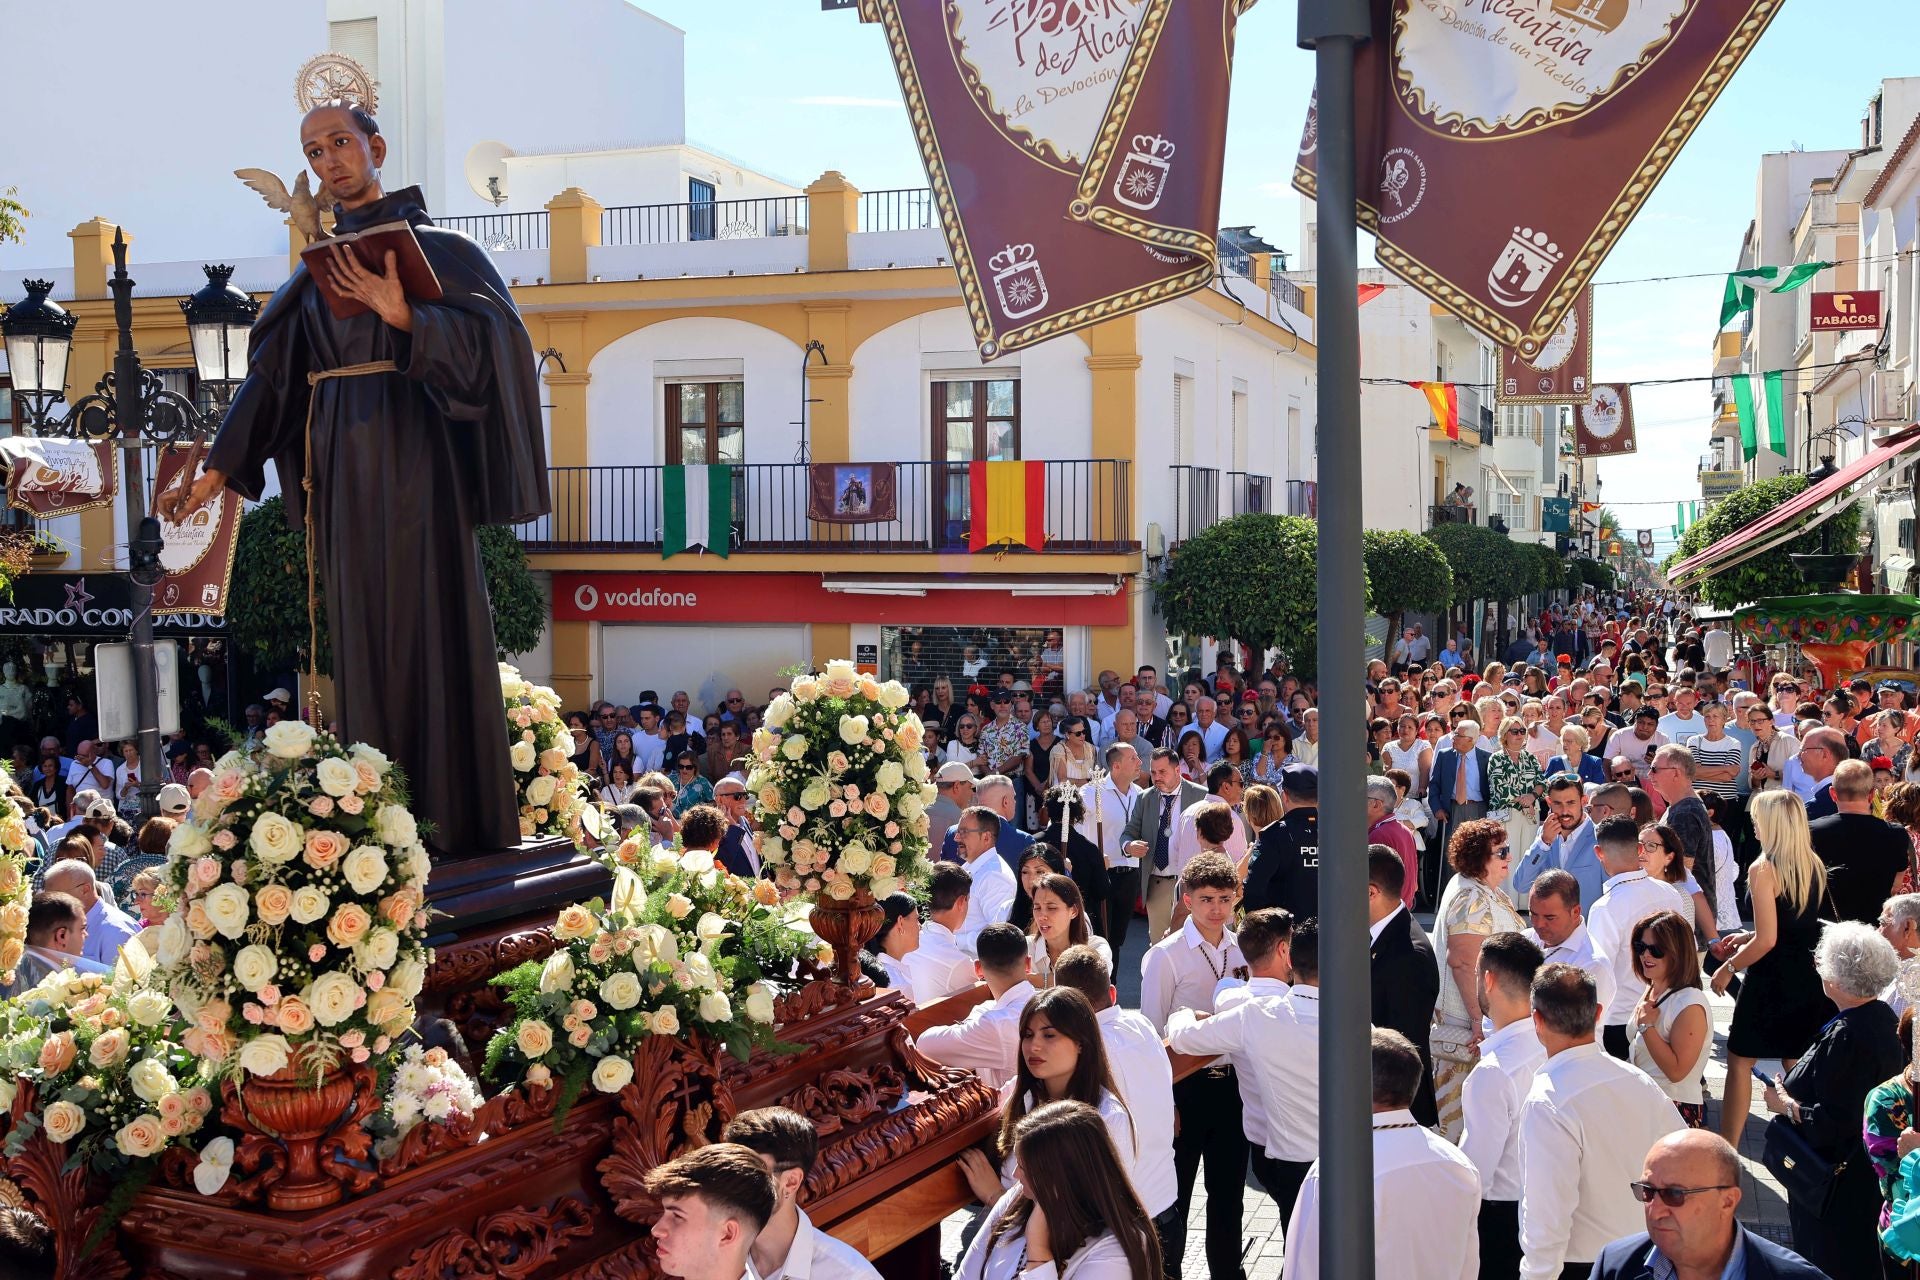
341	156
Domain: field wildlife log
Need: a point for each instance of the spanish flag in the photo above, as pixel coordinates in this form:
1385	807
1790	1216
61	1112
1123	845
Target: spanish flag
1444	398
1009	505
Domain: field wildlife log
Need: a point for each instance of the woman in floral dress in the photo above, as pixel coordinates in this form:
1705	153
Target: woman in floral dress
1515	785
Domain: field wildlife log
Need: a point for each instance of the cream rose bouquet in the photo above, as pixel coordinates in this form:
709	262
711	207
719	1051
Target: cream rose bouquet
111	1082
15	889
552	790
680	945
840	786
301	886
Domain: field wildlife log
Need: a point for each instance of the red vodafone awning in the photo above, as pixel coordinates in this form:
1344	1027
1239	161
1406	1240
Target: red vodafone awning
1794	517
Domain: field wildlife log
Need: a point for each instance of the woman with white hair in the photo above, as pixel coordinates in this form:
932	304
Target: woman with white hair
1575	758
1824	1096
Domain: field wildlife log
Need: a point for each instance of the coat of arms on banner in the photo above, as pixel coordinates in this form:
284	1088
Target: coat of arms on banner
1143	174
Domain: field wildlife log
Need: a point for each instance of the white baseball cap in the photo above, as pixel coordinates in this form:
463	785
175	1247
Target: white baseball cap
174	800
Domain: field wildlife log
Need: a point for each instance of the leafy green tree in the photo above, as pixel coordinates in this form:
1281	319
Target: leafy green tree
267	607
1486	565
13	216
1253	579
1407	573
1771	573
1553	567
1585	571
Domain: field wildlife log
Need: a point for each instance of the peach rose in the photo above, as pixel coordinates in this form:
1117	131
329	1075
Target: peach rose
57	1053
398	907
273	903
324	848
348	925
574	922
293	1016
63	1121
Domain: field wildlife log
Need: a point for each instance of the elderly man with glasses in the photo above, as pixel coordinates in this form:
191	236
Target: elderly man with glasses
737	851
1809	773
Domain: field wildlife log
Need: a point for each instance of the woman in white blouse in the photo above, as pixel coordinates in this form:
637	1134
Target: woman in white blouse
1059	921
619	789
1672	1035
1071	1214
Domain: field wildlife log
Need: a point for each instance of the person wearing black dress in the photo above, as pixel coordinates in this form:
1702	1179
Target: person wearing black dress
1781	1006
1825	1093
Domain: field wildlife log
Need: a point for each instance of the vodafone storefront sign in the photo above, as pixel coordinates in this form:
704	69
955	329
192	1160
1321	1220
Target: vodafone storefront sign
802	597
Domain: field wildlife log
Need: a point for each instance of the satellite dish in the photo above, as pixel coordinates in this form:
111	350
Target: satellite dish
486	171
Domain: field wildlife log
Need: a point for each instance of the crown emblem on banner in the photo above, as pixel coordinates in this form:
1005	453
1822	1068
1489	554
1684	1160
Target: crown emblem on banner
1152	144
1603	15
1012	256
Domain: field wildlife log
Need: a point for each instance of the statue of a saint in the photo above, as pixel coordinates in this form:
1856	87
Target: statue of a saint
410	424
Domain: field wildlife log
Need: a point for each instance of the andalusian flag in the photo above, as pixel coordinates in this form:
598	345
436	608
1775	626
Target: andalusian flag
697	510
1444	398
1758	399
1009	505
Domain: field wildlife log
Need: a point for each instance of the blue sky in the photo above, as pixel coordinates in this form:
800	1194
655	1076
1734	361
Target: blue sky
794	91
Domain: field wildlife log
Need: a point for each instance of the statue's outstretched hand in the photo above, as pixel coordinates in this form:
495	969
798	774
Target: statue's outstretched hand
177	503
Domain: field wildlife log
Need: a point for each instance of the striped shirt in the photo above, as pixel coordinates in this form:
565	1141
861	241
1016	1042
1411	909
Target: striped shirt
1726	753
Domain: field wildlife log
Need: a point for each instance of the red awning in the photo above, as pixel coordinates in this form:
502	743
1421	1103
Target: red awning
1790	519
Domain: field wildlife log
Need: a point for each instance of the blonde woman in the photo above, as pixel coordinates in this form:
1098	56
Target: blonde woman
1781	1006
1515	785
1490	712
1261	808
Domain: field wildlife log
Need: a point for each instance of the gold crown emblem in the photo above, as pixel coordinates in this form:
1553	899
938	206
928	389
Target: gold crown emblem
1602	15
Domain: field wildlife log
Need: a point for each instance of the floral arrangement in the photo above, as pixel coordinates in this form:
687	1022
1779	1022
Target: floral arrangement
300	883
552	791
15	889
426	1085
112	1083
840	786
680	945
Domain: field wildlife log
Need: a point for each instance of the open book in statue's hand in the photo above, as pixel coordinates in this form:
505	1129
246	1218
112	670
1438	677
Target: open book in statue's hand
370	246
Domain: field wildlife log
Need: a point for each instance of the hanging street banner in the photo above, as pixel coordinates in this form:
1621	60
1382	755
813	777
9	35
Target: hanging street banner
851	492
1562	372
1505	145
1556	515
196	561
1047	129
1604	424
1646	542
1859	309
60	477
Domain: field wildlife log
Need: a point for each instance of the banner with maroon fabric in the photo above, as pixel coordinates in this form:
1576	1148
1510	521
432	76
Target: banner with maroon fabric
1563	371
197	559
1604	424
61	477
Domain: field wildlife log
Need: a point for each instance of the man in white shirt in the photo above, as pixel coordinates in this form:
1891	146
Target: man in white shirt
1426	1194
1491	1096
1141	1072
1718	642
1224	786
1584	1130
1637	747
713	1202
790	1247
1212	731
988	1040
89	771
939	966
1270	1027
1146	683
649	744
1683	721
1108	802
1630	896
976	836
1182	971
1561	934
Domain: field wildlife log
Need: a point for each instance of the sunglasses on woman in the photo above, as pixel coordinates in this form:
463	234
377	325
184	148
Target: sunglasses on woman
1658	952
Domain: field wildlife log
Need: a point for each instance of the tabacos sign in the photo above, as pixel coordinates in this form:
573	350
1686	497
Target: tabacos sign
1859	309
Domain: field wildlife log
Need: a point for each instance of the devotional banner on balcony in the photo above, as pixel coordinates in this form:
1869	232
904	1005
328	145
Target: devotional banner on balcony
1604	424
1562	373
1045	129
1504	145
196	561
852	492
60	477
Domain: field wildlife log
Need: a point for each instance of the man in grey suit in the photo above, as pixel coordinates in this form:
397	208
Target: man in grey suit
1149	836
1456	794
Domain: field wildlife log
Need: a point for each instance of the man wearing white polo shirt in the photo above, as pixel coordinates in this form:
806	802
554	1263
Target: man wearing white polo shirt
1630	896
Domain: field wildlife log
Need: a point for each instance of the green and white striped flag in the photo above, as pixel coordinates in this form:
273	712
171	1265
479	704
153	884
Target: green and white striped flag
1760	401
698	502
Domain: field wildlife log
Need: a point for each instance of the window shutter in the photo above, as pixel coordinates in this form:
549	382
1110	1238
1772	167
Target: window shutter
359	39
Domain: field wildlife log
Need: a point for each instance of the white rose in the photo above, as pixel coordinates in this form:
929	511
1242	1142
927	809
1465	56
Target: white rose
275	839
611	1074
881	886
557	974
621	990
407	978
856	859
229	908
540	790
309	904
151	1080
893	695
814	794
264	1055
335	776
395	825
378	950
695	861
333	997
853	729
255	966
174	941
909	807
523	757
364	754
189	840
290	739
916	767
699	970
794	748
419	864
365	868
715	1007
665	1021
148	1008
889	778
759	1003
779	711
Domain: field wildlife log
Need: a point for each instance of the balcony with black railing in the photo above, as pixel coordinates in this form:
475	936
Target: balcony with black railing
1249	492
1087	508
703	220
1451	513
1196	500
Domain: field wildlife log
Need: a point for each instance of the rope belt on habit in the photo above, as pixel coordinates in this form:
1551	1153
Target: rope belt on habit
314	379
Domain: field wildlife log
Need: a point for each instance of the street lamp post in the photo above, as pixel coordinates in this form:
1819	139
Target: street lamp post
130	407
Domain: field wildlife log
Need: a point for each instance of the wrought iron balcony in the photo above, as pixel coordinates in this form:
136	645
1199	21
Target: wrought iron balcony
1196	500
1451	513
1088	509
1249	492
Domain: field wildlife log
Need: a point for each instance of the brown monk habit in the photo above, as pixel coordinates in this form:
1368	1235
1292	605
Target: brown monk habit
406	465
